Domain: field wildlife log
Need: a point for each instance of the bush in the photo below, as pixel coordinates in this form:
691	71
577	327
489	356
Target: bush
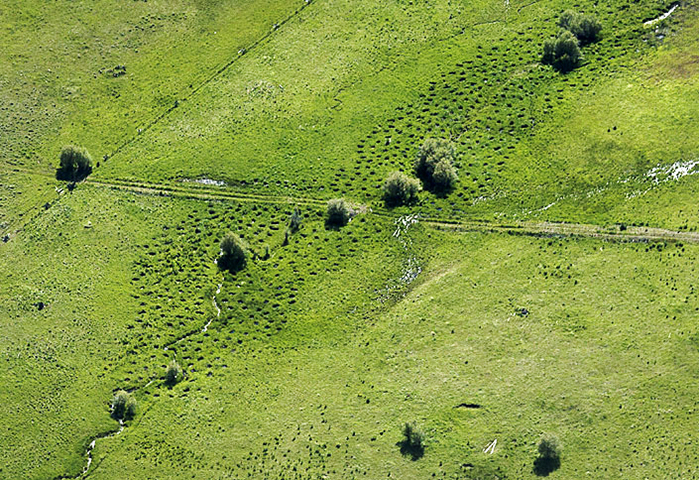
123	405
173	373
399	189
436	153
75	164
234	253
338	213
563	52
295	220
413	441
549	455
586	28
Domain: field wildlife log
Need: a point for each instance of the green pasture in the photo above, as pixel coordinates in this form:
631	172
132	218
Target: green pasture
308	361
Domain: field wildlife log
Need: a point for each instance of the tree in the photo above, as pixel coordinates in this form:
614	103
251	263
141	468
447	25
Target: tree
563	52
123	405
75	164
173	373
399	189
234	253
586	28
413	441
432	154
338	213
549	455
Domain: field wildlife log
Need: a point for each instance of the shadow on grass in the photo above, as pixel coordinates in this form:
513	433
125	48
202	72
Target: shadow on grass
543	466
415	452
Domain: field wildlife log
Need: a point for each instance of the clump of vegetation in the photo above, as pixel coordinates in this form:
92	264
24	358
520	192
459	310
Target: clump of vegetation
123	405
295	220
400	189
234	253
338	213
434	165
586	28
173	373
563	53
549	455
413	443
75	164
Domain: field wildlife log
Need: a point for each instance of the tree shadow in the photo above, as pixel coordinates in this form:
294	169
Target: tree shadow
70	175
543	466
415	452
232	265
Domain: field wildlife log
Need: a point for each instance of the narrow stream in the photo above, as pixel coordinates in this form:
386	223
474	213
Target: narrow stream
663	16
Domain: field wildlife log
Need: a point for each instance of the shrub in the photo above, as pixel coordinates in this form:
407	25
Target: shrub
338	213
173	373
413	441
563	52
586	28
431	154
123	405
75	164
295	220
549	455
399	189
234	253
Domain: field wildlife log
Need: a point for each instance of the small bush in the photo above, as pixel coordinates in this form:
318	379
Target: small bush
413	443
338	213
295	220
399	189
586	28
549	455
436	153
563	52
123	405
173	373
234	253
75	164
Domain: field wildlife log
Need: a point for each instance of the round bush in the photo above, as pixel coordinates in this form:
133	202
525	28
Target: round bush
75	163
338	213
123	405
173	373
431	154
234	252
563	52
399	189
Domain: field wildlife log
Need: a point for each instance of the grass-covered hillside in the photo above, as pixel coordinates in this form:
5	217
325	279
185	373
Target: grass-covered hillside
533	278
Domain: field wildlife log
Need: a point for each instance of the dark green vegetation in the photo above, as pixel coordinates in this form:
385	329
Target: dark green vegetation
234	253
399	189
248	117
75	164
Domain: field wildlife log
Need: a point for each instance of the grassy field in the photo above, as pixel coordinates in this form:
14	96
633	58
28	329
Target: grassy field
207	117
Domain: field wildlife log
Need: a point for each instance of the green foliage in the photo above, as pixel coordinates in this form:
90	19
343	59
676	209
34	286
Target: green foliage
123	405
563	52
338	213
413	441
173	373
75	163
549	455
295	220
234	253
434	165
399	189
586	28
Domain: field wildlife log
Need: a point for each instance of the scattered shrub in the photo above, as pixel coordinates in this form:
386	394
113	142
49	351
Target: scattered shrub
434	165
234	253
563	52
338	213
549	455
586	28
295	220
399	189
173	373
75	164
413	443
123	405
